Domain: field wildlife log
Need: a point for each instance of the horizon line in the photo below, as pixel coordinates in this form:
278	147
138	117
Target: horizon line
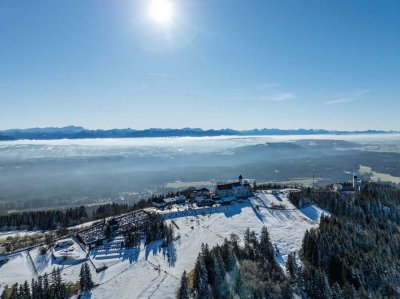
196	128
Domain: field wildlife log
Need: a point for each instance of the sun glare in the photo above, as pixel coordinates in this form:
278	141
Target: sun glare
161	11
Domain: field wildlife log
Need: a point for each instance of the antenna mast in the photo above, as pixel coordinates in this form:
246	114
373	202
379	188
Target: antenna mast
313	180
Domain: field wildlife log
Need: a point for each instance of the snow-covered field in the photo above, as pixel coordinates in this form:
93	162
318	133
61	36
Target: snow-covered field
20	233
154	272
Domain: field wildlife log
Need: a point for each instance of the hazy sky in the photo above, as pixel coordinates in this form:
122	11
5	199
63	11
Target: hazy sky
216	64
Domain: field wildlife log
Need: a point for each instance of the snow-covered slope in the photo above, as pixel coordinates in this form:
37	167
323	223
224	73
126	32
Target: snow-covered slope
135	274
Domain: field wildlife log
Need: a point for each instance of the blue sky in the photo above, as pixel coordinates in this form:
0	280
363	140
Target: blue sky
219	63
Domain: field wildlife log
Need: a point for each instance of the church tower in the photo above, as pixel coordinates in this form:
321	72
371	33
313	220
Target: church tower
355	182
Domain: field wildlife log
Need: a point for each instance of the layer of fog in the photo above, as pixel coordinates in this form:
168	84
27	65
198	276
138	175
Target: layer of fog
66	172
25	149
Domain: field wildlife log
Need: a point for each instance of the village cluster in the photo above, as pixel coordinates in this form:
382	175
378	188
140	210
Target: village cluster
109	234
224	193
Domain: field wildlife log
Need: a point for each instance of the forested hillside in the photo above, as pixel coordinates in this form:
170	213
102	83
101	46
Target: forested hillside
58	219
234	271
44	220
356	252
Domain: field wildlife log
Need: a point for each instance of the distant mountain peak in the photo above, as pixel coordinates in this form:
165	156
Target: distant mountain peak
78	132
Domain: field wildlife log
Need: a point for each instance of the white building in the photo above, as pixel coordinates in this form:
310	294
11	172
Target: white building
240	189
161	203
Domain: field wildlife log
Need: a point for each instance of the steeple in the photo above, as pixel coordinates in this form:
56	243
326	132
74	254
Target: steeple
355	181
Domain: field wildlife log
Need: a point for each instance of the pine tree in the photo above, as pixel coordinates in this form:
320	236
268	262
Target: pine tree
201	278
362	293
240	288
27	291
46	287
254	244
89	282
82	278
63	291
55	282
228	256
58	289
234	241
34	289
349	292
323	289
39	288
266	249
291	266
247	243
205	252
216	270
251	245
184	288
336	291
21	293
221	263
85	278
14	292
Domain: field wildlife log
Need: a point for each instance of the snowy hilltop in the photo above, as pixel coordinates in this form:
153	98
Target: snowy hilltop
153	270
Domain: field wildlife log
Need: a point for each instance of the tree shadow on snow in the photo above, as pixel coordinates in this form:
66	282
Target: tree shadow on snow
311	212
86	295
132	255
153	247
283	215
169	252
66	262
277	197
257	212
229	210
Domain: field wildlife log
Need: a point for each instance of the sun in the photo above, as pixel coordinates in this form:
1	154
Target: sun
161	11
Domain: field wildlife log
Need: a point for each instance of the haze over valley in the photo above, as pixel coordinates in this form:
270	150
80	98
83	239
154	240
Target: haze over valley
61	173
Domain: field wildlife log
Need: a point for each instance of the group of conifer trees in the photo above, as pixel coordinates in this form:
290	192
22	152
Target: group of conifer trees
44	220
85	278
113	209
57	219
132	239
50	286
155	229
234	271
355	252
269	186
